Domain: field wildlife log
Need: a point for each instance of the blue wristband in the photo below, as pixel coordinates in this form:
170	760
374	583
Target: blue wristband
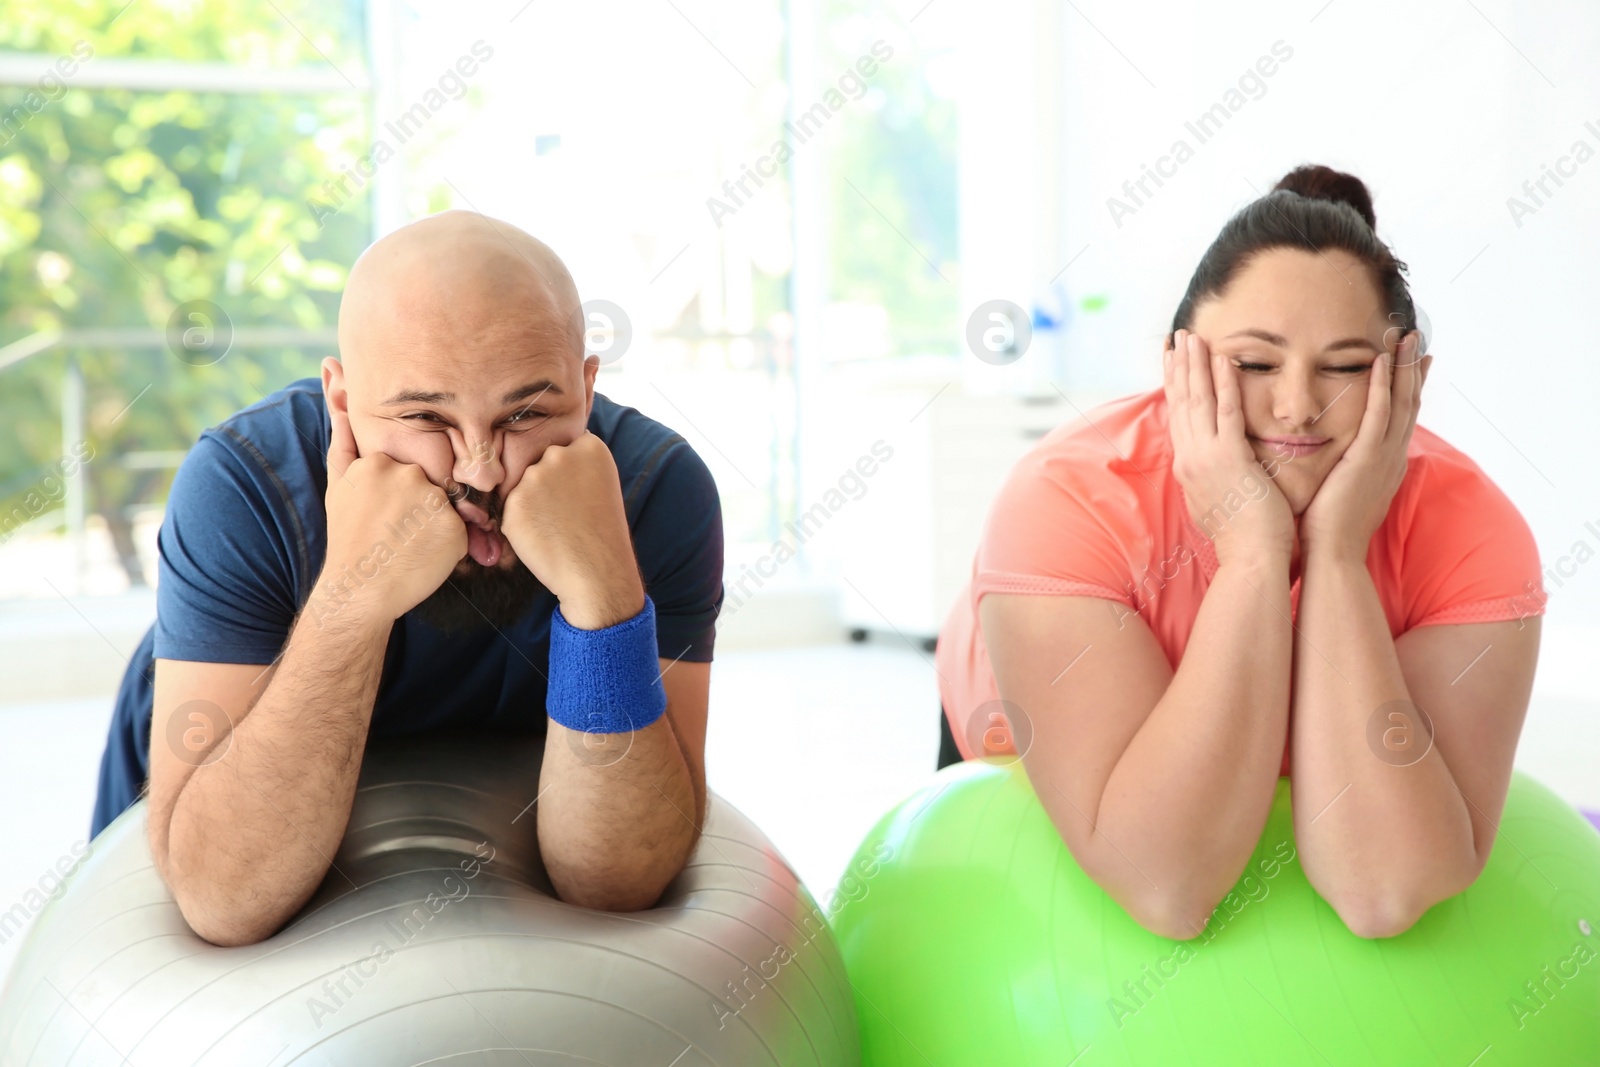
605	681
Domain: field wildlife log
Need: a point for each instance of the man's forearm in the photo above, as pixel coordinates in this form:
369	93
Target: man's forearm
1382	837
614	831
253	833
618	813
1187	801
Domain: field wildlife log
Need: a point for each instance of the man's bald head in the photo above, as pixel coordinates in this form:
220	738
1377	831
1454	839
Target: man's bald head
461	352
457	281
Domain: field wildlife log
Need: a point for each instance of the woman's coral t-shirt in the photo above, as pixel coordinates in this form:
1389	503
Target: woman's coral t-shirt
1095	510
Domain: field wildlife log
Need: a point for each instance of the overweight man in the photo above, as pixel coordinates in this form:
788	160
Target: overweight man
451	530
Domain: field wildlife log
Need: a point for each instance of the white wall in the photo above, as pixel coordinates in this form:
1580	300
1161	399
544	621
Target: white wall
1444	109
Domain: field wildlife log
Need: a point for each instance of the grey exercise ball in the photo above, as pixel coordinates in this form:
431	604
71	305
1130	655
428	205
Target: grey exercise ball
436	939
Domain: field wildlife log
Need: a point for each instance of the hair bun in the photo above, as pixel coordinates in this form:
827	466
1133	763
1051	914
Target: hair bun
1325	183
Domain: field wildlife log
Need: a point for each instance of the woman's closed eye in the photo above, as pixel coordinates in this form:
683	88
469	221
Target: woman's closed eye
1347	368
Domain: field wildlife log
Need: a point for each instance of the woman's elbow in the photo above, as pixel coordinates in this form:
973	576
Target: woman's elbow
1376	922
1185	921
1372	917
1389	911
1175	926
1169	917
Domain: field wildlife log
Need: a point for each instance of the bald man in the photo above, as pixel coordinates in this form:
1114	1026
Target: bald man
451	530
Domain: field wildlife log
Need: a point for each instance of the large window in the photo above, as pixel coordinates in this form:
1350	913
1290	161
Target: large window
757	197
163	259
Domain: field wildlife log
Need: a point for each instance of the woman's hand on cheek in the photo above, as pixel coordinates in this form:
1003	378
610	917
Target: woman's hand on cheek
1211	457
1353	499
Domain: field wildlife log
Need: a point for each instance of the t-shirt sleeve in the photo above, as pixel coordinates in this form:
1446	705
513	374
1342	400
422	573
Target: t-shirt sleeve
1053	530
1469	554
225	593
678	540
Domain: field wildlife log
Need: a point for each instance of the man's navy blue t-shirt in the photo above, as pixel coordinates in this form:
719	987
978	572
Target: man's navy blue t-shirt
245	535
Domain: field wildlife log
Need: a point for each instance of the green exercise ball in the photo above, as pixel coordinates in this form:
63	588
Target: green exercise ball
971	937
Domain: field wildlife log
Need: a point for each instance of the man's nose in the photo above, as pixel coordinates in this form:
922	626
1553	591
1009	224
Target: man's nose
478	464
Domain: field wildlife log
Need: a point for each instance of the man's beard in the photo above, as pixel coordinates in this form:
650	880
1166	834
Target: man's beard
483	597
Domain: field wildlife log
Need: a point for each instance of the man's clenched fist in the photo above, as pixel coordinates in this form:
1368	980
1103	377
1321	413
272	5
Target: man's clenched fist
566	522
393	537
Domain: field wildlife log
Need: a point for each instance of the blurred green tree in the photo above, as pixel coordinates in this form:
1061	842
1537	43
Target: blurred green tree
893	236
118	205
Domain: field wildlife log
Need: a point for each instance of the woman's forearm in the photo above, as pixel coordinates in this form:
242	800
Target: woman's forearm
1189	797
1384	834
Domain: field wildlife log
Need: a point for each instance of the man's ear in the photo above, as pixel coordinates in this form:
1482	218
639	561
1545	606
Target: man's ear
591	369
333	387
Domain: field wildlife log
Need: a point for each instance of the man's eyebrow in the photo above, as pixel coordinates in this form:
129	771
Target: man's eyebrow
1274	339
422	396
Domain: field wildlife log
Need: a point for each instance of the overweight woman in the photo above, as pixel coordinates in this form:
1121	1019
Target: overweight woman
1266	564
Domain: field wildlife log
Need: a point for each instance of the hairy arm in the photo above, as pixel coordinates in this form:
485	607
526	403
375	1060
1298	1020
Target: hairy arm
1159	782
245	818
619	814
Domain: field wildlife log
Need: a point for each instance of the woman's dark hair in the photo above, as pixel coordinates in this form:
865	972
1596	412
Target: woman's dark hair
1312	208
